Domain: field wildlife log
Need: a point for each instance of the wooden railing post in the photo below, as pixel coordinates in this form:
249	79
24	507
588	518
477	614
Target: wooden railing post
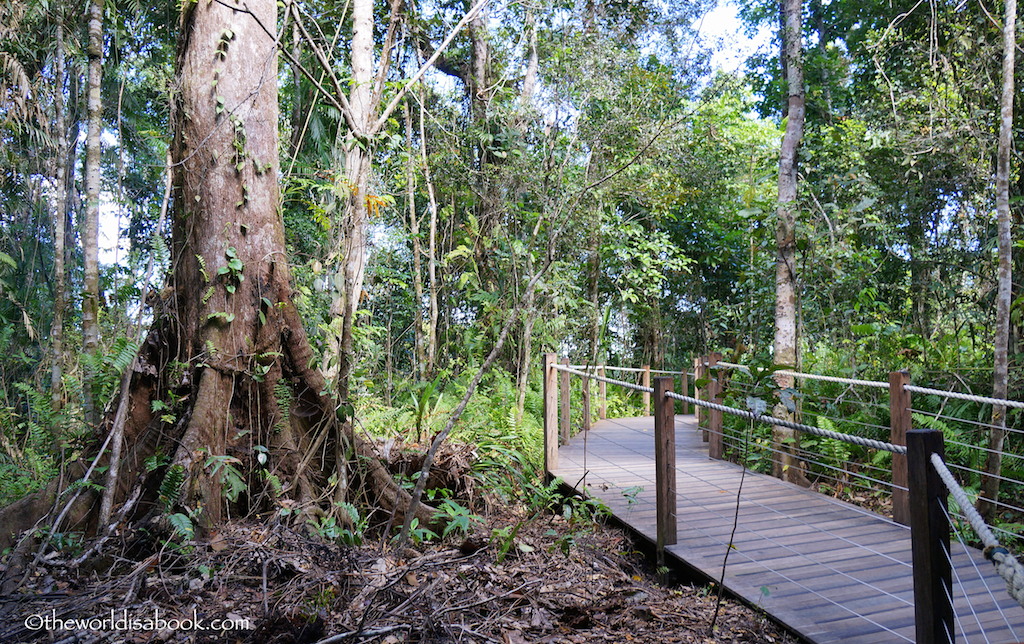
550	413
664	464
684	387
715	429
563	401
647	383
929	540
900	422
698	374
602	394
585	384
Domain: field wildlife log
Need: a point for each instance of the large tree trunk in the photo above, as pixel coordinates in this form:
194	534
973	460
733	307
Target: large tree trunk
227	353
90	228
236	328
785	464
997	434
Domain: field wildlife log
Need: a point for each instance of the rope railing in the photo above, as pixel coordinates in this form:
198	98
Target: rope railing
808	376
878	384
609	368
984	400
662	372
800	427
747	414
605	379
1006	564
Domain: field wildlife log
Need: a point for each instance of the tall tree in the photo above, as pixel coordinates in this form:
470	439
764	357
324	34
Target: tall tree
91	222
58	213
362	110
786	340
997	433
227	362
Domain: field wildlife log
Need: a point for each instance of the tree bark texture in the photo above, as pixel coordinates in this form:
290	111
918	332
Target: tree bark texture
785	344
1004	296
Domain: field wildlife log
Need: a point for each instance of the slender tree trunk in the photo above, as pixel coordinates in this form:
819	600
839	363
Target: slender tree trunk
433	286
414	235
298	104
59	215
357	174
997	434
488	182
785	464
90	228
593	282
525	358
532	65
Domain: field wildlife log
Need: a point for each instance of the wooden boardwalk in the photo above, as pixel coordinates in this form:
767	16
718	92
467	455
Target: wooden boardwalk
830	571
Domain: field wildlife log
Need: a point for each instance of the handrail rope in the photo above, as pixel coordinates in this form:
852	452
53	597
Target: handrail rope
1006	564
807	429
611	381
606	367
810	376
803	454
663	372
729	440
869	383
968	397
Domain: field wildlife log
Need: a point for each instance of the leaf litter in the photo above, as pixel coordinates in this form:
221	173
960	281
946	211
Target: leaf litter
517	577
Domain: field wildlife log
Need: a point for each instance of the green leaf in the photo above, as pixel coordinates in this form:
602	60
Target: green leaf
757	406
221	316
182	525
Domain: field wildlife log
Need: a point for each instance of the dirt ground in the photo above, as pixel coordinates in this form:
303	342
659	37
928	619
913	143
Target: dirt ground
517	578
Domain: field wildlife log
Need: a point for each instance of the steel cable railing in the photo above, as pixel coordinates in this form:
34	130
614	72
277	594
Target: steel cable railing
1006	564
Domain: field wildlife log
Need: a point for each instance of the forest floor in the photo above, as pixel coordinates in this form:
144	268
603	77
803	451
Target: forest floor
516	573
557	582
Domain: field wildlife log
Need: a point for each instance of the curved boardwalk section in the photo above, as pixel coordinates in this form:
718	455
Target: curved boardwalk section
830	571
